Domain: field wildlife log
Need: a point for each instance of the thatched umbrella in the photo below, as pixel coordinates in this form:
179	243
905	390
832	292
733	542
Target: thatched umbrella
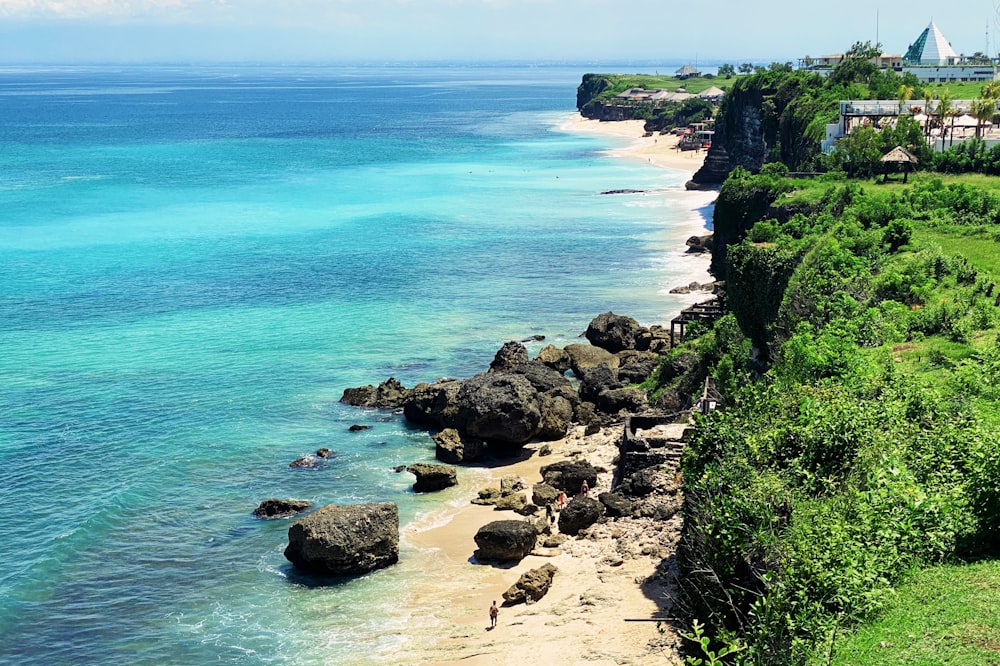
899	155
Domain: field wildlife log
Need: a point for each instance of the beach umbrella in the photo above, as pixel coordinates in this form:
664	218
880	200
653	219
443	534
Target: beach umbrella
901	156
965	120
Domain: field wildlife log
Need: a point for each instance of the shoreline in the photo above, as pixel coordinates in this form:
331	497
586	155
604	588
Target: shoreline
606	599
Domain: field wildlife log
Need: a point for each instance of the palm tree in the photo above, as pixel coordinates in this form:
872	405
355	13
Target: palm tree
905	93
992	89
983	110
927	111
945	110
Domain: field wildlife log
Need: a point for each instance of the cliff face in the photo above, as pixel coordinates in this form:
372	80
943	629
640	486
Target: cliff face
739	137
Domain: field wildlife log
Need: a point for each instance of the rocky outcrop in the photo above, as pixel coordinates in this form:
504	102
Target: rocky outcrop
345	540
511	355
700	244
532	585
390	394
615	504
431	477
569	475
280	508
634	367
613	332
554	357
505	540
432	404
543	493
579	514
502	408
585	358
451	447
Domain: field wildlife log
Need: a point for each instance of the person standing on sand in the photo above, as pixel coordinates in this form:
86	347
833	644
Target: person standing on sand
494	612
549	513
584	488
562	499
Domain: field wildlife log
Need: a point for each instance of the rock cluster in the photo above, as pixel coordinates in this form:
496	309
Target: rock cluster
518	400
345	540
431	477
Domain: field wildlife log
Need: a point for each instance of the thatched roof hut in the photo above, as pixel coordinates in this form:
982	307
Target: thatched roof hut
901	156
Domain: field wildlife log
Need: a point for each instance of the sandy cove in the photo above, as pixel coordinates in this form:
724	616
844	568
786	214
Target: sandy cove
610	589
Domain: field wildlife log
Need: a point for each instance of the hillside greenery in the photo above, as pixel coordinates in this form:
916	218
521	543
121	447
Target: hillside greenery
859	441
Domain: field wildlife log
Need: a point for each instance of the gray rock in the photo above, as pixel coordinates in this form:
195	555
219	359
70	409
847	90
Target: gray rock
635	367
613	332
556	417
432	477
543	493
451	447
390	394
500	408
532	585
487	496
280	508
432	404
511	355
511	484
615	504
569	475
580	513
505	540
555	358
512	502
344	540
585	358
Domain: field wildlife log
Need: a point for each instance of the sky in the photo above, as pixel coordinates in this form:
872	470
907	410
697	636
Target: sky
759	31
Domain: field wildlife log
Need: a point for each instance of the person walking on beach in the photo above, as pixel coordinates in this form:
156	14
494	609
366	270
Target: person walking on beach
494	612
549	513
562	499
584	488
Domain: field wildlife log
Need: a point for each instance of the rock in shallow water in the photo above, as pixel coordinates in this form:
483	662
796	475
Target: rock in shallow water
345	540
280	508
432	477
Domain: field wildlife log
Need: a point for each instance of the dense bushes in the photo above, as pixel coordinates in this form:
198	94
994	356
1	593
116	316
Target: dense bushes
837	465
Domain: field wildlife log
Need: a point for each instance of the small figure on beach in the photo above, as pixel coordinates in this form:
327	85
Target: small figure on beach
584	488
549	513
562	499
494	612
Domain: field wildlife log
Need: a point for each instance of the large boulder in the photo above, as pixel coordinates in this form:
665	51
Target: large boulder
569	475
553	357
599	380
505	540
616	504
432	477
635	367
280	508
585	358
499	407
545	379
451	446
390	394
345	540
627	400
556	416
580	513
613	332
432	404
511	502
532	585
511	355
543	493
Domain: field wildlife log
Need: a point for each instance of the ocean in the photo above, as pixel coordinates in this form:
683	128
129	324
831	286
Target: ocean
196	261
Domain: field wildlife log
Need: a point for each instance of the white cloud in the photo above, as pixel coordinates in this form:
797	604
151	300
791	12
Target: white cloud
98	9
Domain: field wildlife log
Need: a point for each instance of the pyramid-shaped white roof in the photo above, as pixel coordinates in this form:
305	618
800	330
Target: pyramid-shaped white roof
931	48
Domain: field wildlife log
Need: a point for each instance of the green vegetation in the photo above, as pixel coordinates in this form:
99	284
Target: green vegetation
860	436
962	630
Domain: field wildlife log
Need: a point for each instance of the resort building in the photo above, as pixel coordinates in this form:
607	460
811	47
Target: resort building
931	58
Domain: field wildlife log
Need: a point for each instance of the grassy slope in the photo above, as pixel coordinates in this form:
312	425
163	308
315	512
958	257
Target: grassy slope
944	615
622	82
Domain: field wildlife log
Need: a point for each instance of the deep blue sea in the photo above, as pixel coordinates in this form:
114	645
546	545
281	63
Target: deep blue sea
195	262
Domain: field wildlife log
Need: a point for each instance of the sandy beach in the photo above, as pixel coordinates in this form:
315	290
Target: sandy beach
611	588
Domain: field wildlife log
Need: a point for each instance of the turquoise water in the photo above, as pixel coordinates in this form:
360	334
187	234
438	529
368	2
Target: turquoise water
194	264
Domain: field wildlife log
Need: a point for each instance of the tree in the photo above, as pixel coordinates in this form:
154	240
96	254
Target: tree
727	70
944	111
983	110
991	89
905	94
746	68
860	64
928	96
